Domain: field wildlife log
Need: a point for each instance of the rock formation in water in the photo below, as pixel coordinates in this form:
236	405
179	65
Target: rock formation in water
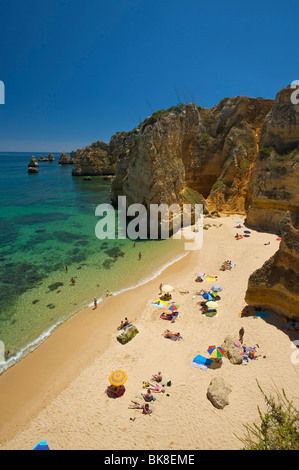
64	159
275	285
98	158
33	163
273	187
43	159
51	157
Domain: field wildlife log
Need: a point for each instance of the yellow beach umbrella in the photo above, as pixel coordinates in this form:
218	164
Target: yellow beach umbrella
167	289
211	304
118	377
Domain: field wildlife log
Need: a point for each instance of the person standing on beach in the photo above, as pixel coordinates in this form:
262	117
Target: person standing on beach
161	285
139	255
73	280
95	302
134	244
241	334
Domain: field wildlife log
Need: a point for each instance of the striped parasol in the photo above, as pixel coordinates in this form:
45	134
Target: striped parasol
118	377
215	352
173	306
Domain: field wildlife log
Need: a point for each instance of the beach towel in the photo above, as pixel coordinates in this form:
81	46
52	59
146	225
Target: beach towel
201	362
159	303
256	314
210	278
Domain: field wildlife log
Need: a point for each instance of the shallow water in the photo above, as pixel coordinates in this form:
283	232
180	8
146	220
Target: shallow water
48	221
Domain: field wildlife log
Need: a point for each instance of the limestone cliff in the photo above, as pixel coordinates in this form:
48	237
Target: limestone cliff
273	188
98	158
210	151
275	285
64	159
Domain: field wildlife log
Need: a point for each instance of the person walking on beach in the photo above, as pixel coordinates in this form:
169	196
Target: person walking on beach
73	280
160	287
95	302
139	255
241	334
134	244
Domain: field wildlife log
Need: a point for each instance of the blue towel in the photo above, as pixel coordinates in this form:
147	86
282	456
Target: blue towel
262	314
201	362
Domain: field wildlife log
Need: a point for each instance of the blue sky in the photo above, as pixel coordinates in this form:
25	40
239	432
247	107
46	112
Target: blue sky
78	71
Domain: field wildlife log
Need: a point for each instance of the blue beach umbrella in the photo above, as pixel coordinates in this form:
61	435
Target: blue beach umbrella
216	288
208	296
42	445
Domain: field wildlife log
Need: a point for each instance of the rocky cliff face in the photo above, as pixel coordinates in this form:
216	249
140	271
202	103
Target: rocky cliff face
98	158
273	188
240	156
276	284
210	151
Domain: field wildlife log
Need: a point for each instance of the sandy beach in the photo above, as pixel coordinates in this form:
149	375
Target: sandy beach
58	391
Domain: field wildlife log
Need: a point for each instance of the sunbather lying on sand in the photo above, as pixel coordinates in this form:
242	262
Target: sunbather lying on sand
141	406
156	388
171	334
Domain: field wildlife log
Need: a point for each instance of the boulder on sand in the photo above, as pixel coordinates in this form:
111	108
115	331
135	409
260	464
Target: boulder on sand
218	392
127	334
232	352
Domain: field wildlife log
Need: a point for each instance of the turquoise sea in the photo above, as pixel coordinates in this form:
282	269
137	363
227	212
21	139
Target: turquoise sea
48	221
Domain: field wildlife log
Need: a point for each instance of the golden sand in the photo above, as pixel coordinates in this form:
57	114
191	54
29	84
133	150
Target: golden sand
58	391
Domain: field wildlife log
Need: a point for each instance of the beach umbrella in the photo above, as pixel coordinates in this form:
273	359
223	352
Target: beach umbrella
215	352
42	445
216	288
118	377
173	306
211	304
167	289
208	296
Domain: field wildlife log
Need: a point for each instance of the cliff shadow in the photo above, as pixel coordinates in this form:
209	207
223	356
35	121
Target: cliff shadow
282	323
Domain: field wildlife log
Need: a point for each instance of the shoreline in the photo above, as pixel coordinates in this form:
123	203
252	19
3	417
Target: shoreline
60	386
31	347
73	355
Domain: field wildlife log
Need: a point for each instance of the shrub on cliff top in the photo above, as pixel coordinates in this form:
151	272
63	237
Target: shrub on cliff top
278	429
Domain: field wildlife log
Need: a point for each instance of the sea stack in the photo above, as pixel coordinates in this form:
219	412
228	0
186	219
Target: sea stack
64	159
51	157
33	165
